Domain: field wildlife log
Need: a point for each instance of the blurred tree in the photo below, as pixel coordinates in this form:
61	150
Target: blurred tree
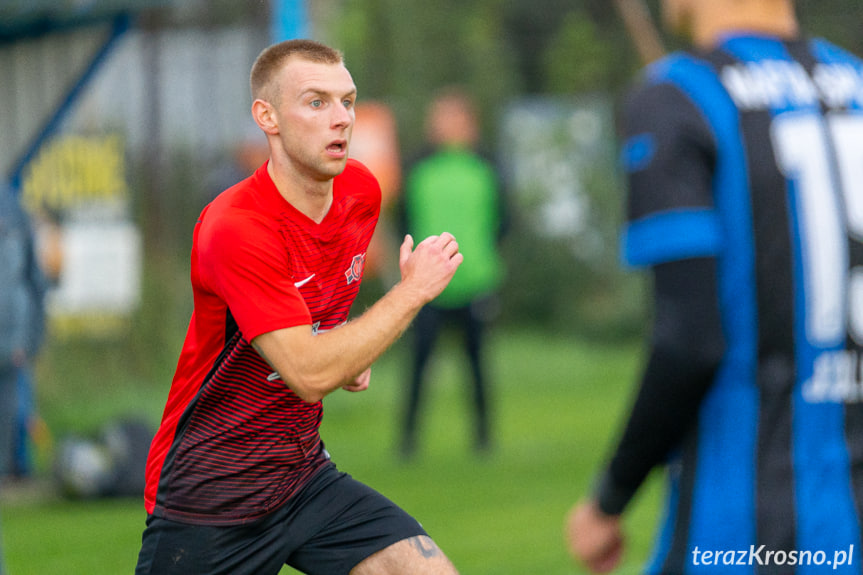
530	26
837	20
579	38
401	51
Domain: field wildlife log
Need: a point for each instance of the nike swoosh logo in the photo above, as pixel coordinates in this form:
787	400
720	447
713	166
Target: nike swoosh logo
301	283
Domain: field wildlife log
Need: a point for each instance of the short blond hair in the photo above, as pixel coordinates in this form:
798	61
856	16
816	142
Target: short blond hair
271	60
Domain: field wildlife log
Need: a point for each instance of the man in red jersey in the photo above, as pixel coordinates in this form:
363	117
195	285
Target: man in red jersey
238	480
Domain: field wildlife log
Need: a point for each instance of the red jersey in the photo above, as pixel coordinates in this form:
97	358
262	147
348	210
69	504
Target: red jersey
235	443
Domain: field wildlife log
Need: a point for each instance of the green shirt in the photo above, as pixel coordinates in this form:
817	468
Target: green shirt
454	190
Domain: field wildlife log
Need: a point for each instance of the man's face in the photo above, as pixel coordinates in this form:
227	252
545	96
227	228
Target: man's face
315	111
451	122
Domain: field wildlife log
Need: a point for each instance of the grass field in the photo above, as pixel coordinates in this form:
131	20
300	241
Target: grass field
557	405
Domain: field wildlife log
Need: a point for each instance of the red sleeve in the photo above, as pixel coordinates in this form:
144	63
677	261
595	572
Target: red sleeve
243	260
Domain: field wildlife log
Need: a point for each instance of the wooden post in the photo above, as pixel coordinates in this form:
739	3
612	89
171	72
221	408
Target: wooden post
639	24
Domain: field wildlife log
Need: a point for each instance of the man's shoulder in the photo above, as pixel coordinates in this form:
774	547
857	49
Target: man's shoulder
685	83
659	88
235	214
674	69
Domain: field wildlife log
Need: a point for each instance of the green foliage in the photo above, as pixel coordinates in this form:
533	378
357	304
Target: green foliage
129	370
401	52
566	198
551	287
837	20
126	373
579	58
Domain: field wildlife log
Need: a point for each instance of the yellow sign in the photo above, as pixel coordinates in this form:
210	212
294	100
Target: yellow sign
74	170
78	182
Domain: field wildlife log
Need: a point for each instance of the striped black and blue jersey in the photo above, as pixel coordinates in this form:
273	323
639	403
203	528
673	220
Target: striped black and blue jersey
745	167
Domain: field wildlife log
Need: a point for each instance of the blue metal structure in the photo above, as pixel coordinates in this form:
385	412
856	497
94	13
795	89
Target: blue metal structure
121	23
27	19
289	20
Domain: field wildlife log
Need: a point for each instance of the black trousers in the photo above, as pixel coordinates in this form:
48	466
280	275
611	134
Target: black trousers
427	326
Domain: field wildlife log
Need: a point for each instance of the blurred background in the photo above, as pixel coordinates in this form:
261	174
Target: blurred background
121	119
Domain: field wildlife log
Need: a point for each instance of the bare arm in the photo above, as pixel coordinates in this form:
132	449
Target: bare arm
314	366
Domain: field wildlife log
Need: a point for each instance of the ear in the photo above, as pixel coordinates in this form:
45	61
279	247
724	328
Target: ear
265	117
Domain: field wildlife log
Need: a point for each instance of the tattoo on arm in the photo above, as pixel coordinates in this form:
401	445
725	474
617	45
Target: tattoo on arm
425	546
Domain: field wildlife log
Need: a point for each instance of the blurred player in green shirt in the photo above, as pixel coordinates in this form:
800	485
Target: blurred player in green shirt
452	187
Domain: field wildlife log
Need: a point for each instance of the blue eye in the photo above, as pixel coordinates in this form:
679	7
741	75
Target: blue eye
316	103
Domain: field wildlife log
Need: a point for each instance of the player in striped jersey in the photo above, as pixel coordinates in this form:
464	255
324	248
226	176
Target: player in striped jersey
744	158
238	480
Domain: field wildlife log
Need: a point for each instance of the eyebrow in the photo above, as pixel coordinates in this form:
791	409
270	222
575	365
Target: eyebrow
321	92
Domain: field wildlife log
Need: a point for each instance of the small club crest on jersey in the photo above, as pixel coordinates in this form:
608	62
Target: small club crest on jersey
355	272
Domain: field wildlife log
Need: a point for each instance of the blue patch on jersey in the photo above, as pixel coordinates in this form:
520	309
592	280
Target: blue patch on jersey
638	152
671	236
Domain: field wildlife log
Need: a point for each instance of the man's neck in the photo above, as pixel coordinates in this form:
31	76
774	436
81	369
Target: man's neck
720	18
310	197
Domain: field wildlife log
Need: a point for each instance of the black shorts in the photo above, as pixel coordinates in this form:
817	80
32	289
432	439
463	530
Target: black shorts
331	525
